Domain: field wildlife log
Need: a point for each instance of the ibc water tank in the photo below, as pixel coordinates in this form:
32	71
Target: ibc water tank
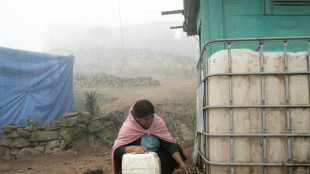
260	104
141	163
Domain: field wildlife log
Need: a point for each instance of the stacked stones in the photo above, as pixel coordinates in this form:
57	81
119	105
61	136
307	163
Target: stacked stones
20	141
113	81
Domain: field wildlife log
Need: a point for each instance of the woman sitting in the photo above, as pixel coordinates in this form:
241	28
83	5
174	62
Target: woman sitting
142	132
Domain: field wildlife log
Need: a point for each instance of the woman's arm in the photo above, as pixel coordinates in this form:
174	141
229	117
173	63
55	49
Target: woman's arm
174	152
177	157
120	151
136	149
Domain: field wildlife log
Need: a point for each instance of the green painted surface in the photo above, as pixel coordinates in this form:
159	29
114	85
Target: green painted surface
204	16
228	19
237	7
273	9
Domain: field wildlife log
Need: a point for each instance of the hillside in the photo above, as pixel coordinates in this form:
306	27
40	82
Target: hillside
174	101
134	63
161	70
165	79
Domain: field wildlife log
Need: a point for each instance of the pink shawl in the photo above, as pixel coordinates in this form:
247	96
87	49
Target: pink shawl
131	131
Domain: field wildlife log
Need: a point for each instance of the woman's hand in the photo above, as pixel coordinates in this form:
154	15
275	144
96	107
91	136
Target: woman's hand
136	149
184	167
181	163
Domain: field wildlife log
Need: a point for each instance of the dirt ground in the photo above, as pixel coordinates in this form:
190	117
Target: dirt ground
90	153
171	88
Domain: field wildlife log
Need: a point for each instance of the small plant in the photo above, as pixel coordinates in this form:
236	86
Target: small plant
35	121
91	103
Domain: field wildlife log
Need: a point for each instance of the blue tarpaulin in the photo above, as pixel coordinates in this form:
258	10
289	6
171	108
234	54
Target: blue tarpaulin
35	84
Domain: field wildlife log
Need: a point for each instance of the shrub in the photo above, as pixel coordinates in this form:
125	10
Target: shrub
35	121
90	103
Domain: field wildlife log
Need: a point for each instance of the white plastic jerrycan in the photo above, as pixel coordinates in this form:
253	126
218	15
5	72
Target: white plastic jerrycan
148	163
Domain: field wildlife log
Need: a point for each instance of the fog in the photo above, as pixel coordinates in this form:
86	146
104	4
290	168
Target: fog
94	27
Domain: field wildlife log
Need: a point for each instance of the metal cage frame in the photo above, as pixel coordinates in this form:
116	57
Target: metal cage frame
203	79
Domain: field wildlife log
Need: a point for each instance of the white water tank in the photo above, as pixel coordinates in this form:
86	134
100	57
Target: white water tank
141	163
249	91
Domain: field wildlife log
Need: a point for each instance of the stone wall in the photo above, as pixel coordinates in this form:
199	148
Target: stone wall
18	141
100	80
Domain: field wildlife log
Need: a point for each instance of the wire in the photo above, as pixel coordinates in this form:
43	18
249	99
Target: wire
122	38
196	38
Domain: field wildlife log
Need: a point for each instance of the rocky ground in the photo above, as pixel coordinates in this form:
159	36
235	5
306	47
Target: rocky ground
90	153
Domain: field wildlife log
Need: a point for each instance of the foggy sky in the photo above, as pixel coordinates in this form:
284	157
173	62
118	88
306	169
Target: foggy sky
35	24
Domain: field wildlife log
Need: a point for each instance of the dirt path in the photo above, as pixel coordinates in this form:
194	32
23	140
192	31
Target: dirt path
87	155
168	90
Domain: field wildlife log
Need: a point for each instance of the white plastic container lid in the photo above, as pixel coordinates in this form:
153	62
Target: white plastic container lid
148	163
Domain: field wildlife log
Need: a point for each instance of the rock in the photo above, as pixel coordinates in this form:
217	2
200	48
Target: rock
23	133
5	154
7	128
27	151
84	117
48	151
53	125
83	128
39	148
107	123
104	133
43	143
20	142
95	126
116	117
67	139
74	132
30	129
57	150
50	145
94	170
35	143
15	151
70	120
44	136
4	141
70	114
62	145
107	135
13	134
2	151
97	118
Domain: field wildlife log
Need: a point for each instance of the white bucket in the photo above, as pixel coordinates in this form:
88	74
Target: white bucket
141	163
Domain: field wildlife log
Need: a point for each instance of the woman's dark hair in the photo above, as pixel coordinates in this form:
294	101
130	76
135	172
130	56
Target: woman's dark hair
143	108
